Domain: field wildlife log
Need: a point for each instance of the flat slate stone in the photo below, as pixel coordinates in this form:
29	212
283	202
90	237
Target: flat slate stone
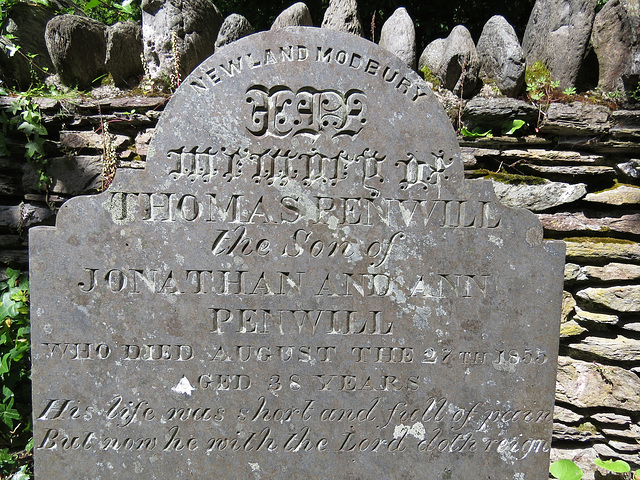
300	284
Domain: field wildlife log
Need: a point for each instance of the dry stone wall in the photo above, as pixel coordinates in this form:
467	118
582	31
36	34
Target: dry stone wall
580	174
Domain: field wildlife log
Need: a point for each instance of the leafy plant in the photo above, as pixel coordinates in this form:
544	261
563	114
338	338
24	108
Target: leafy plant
25	117
15	367
509	127
618	466
430	77
567	470
476	132
569	91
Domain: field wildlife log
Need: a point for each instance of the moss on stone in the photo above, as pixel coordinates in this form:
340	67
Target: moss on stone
509	178
430	77
587	427
615	186
600	240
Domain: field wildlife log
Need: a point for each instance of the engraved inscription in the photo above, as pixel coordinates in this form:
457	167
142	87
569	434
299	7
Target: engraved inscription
280	112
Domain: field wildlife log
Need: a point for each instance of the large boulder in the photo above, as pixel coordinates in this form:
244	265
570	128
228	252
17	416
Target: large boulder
24	27
343	15
297	15
178	35
398	36
233	28
616	40
77	47
558	34
454	60
123	56
501	56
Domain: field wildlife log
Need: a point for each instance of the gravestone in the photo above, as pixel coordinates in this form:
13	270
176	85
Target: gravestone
300	284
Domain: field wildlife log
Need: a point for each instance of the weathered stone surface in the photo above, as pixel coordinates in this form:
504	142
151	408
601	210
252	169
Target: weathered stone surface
630	169
234	27
178	35
551	157
632	326
622	299
607	452
123	57
632	432
632	446
557	34
585	432
586	316
23	216
620	349
615	40
612	418
576	118
301	250
571	328
586	385
88	139
568	304
574	170
446	58
501	56
493	112
620	194
591	248
539	197
565	415
398	36
343	15
72	175
610	272
27	23
297	15
77	47
571	272
596	222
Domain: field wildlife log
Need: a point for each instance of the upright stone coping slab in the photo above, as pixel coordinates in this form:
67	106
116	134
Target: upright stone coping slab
300	284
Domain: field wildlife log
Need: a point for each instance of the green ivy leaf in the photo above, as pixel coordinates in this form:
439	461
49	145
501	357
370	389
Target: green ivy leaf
91	4
21	474
619	466
565	470
8	307
476	132
8	415
34	147
510	126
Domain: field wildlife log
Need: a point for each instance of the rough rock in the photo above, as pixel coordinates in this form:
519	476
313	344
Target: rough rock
557	34
586	385
620	194
539	197
297	15
632	431
398	36
493	112
621	349
88	139
574	170
27	23
615	39
582	433
614	418
343	15
586	316
595	222
123	56
77	47
17	217
610	272
71	175
446	57
568	304
571	272
188	28
632	446
606	451
602	248
234	27
576	118
631	168
565	415
501	56
620	298
571	329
